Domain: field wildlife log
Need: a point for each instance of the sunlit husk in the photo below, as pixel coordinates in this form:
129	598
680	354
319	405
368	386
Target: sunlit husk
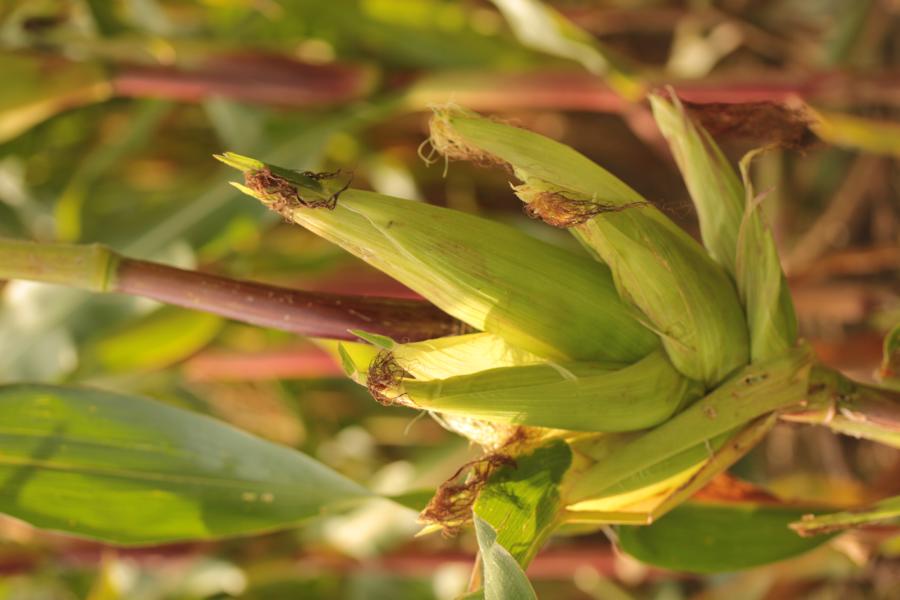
535	295
460	355
754	391
571	396
733	230
684	295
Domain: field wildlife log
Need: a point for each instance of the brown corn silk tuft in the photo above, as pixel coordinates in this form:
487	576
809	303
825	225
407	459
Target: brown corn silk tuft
451	506
784	124
384	375
284	195
446	142
559	210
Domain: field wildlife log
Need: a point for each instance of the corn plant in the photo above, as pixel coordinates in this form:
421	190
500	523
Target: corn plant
610	389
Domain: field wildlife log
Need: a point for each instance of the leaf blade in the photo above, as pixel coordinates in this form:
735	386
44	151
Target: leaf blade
504	579
129	470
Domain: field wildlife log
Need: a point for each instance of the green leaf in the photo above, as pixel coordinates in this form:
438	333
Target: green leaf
129	470
504	579
885	511
522	501
709	538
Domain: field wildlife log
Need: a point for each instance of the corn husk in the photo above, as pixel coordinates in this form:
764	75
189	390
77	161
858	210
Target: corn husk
575	396
733	230
753	392
493	277
453	355
683	294
440	358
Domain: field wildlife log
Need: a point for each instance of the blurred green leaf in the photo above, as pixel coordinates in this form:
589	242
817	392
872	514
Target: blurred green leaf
157	340
541	27
44	87
141	125
503	577
129	470
710	538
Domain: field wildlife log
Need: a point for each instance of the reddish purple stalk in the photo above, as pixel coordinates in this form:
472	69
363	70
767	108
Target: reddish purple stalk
313	314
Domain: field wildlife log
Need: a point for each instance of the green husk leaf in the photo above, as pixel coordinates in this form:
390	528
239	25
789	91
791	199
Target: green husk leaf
733	229
648	494
460	355
754	391
761	282
377	340
571	396
684	296
606	448
493	277
351	369
712	182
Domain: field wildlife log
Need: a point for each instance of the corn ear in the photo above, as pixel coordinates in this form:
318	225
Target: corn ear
684	295
446	357
571	396
490	276
733	230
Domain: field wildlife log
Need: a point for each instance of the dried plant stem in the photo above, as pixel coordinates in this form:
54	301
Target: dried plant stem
99	269
577	90
850	408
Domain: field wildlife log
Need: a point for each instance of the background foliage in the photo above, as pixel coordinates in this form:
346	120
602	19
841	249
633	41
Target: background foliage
109	115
